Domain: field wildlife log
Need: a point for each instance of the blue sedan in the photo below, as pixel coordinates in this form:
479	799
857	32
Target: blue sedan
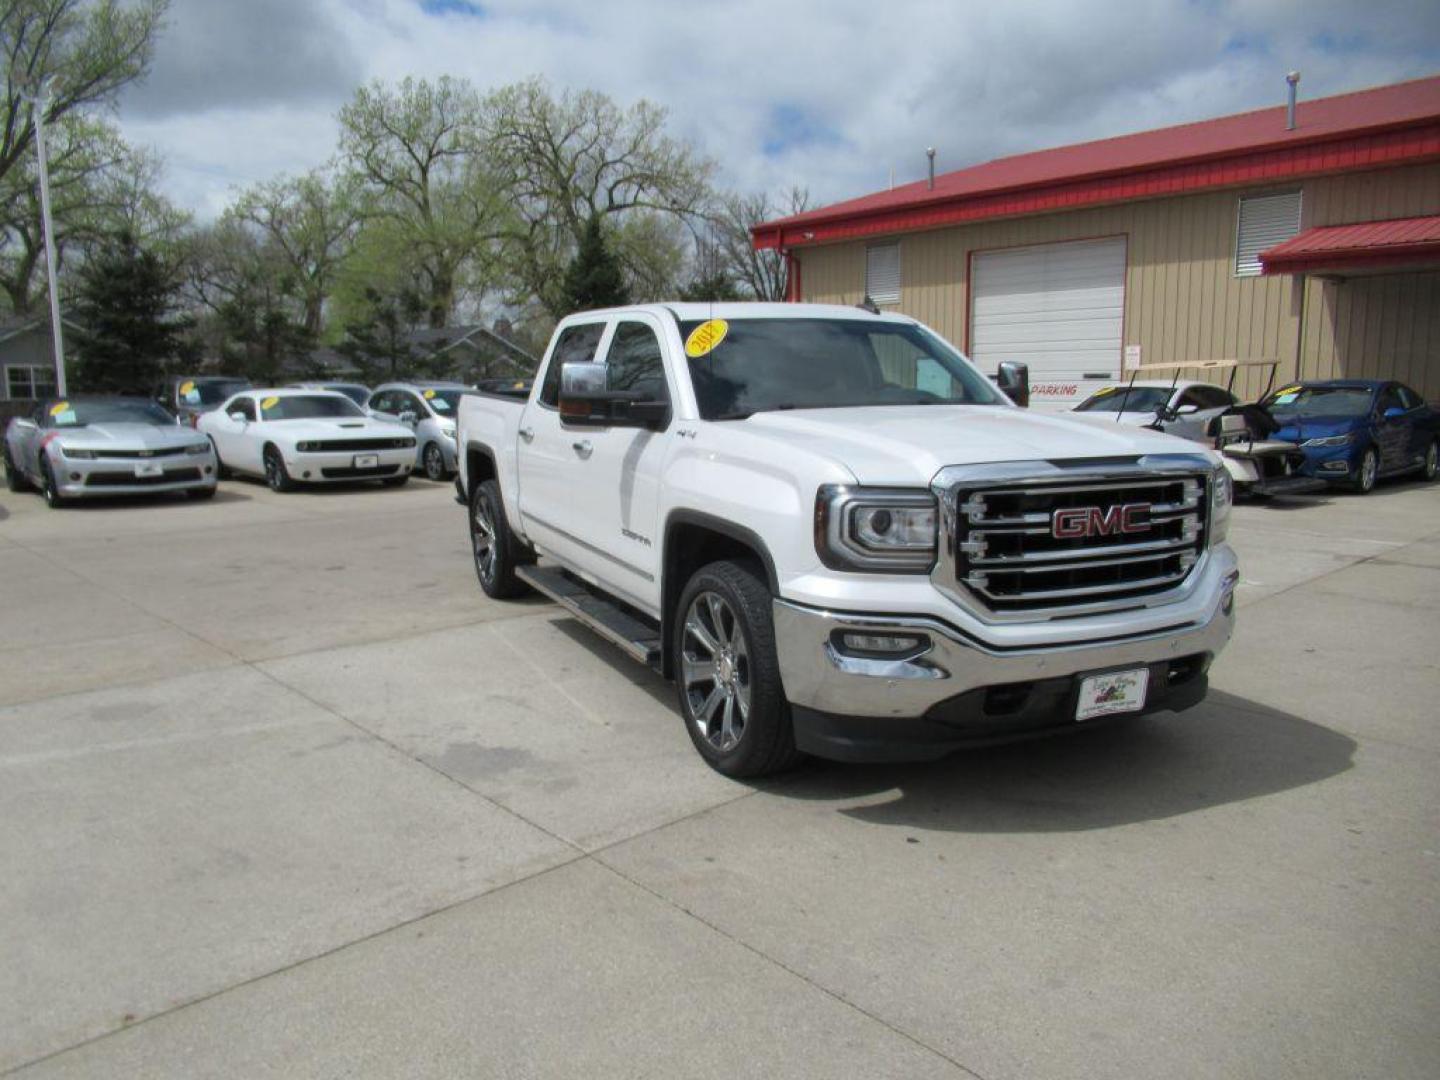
1354	431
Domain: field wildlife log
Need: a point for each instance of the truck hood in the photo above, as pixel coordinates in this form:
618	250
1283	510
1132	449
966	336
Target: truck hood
910	444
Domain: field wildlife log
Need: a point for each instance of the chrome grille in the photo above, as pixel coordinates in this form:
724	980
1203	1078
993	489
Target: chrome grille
1017	547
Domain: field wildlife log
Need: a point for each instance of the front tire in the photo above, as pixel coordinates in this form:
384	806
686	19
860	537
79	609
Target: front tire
727	673
433	461
222	471
1432	460
277	477
1369	471
53	499
496	549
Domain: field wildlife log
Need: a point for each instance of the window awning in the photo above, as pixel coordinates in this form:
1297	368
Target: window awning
1404	243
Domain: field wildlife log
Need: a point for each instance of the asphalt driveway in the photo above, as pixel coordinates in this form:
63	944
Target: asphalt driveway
283	794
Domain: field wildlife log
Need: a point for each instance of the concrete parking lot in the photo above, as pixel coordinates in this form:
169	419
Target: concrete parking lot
282	794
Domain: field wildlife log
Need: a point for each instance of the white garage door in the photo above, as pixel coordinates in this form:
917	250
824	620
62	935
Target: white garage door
1058	308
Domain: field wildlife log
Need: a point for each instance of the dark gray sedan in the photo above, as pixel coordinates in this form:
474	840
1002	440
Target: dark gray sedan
83	447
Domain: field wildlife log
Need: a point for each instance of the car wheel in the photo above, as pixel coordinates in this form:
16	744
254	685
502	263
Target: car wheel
433	461
1432	459
396	481
727	674
14	478
497	552
53	498
222	471
1369	470
276	475
201	493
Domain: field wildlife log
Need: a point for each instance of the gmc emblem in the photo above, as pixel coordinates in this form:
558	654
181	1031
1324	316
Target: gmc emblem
1077	522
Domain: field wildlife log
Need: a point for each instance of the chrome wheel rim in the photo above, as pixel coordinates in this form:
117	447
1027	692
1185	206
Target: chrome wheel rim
1367	470
482	535
715	671
434	463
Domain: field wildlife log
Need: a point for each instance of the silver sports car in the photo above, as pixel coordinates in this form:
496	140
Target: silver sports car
81	447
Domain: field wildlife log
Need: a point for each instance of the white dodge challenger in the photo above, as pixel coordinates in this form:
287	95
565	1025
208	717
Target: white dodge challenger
291	437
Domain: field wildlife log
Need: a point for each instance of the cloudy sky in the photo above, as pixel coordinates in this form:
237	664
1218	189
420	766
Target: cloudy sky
829	94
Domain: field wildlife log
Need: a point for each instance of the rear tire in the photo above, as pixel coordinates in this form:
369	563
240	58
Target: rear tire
1432	460
727	673
496	550
276	475
14	478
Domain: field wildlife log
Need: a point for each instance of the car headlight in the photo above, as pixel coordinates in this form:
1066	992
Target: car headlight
196	449
881	530
1333	440
304	447
78	455
449	433
1222	497
408	442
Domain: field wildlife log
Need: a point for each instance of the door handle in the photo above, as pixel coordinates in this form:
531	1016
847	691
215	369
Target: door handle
583	448
528	434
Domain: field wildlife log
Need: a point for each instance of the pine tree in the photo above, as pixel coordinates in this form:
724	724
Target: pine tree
128	328
593	279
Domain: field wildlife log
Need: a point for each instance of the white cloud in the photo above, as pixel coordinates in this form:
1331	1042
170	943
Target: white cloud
865	87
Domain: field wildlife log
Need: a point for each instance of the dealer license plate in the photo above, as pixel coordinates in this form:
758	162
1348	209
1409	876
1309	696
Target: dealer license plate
149	468
1113	692
367	461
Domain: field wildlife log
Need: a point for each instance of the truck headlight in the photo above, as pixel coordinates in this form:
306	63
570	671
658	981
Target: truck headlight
881	530
1222	497
1333	440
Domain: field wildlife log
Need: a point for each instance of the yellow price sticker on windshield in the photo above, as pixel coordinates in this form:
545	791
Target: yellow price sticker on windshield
187	387
269	403
59	407
705	337
1288	390
1107	390
429	394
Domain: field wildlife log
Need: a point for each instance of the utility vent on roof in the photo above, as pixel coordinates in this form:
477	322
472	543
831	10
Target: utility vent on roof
882	273
1264	221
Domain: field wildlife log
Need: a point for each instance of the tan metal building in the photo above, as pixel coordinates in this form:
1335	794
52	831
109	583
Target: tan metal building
1206	241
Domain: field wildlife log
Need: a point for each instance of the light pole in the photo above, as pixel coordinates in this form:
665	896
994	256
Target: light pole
40	102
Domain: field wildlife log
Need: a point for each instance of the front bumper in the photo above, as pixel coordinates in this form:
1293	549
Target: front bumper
958	691
339	465
1333	462
101	477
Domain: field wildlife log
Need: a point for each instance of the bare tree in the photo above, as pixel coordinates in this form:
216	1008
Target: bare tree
762	274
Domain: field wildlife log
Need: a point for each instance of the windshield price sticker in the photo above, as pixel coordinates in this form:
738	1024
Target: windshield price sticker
59	407
269	403
429	394
705	337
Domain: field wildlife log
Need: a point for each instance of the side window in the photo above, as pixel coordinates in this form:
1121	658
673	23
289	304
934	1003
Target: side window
1207	397
377	401
1408	398
409	403
577	344
636	362
1389	399
246	406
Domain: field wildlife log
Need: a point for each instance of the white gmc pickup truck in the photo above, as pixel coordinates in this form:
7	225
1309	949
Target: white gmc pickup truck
840	538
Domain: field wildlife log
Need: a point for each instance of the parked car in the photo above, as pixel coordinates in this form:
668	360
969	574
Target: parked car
1354	431
190	396
839	538
84	447
356	392
428	409
291	437
1189	405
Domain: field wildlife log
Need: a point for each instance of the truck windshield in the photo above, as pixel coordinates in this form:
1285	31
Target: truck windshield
760	365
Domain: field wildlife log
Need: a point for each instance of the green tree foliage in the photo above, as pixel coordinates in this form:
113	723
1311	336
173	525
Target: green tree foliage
594	278
311	221
416	151
127	305
566	161
379	343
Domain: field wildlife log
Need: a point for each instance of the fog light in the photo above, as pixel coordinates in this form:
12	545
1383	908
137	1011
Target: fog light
305	475
882	644
208	470
74	476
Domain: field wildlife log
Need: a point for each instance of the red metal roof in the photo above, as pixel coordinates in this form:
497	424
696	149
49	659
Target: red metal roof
1386	125
1368	244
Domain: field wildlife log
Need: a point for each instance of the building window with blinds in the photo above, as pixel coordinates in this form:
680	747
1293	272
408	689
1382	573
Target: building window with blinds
882	273
1263	222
